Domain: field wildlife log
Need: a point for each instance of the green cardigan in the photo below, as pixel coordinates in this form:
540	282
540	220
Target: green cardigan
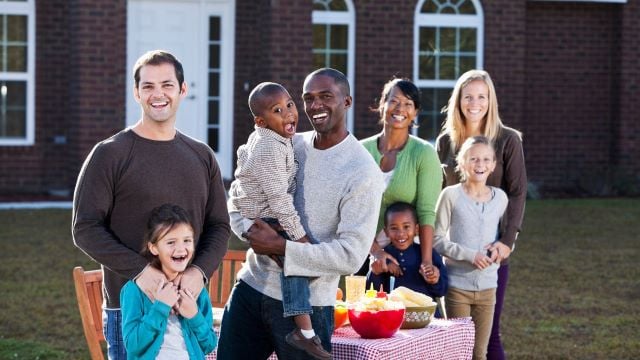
144	324
416	180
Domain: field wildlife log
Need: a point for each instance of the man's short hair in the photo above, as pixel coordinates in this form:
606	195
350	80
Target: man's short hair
338	77
158	57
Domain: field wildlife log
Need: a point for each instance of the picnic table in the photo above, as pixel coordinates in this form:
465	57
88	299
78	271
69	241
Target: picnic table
442	339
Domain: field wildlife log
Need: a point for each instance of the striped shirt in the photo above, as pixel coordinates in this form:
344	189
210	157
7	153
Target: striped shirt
265	181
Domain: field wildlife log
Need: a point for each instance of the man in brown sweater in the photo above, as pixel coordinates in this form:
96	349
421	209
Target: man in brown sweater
142	167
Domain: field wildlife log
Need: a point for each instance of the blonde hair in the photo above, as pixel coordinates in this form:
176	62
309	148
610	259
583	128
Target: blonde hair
455	122
464	149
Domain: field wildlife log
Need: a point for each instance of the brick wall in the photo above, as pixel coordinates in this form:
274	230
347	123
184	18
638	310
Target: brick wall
264	52
566	74
627	152
80	52
570	107
96	91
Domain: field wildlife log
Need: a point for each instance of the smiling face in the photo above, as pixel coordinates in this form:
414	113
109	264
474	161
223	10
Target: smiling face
325	104
174	249
278	113
474	103
479	163
399	110
401	228
159	93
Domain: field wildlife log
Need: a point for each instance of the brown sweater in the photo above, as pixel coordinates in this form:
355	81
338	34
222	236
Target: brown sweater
123	179
510	175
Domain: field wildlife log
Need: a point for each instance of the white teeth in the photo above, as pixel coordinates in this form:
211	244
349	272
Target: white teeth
399	117
159	103
321	115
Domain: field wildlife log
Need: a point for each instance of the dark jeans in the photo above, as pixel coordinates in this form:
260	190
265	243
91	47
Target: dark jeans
494	349
253	327
295	289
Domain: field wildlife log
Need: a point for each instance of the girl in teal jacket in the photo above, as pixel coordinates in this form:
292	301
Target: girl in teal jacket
175	324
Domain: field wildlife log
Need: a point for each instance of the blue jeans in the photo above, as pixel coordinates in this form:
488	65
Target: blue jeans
253	327
112	328
295	289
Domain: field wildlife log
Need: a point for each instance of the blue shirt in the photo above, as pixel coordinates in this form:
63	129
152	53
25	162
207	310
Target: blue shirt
410	261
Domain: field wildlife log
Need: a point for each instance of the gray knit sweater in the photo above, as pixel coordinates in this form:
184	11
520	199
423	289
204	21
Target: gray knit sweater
338	197
463	228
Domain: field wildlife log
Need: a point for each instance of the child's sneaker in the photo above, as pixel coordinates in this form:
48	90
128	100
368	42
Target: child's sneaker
311	346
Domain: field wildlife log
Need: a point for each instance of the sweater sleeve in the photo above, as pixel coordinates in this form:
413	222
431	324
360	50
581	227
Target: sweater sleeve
140	330
440	288
92	204
441	239
515	185
429	184
213	242
201	324
344	254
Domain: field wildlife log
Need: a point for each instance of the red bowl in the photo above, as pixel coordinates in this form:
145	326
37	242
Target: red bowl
376	324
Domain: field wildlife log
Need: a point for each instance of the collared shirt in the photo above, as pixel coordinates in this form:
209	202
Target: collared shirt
265	181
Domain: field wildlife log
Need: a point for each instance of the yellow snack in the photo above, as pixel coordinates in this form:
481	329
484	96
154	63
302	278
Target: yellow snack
410	296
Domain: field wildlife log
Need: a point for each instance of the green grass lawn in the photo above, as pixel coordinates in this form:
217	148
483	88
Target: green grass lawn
573	291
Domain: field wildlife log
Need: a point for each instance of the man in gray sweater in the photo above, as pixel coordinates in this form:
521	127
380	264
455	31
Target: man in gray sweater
339	189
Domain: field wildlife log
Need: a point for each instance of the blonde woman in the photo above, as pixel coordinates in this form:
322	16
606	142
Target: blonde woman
473	110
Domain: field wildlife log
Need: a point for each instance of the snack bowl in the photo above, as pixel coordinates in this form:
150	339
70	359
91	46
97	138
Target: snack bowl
416	317
376	324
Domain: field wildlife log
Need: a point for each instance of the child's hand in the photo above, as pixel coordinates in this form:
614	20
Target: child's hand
430	273
167	293
481	261
394	269
187	306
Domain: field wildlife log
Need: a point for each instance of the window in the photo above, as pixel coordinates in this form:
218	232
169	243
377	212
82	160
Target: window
334	40
17	54
213	122
448	41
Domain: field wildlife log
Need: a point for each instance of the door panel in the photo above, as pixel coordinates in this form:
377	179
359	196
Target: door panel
185	29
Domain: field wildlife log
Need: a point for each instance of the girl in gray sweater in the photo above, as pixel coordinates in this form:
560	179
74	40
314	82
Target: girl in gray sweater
467	219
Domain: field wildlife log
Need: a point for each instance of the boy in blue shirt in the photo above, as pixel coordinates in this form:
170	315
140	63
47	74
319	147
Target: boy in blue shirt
401	226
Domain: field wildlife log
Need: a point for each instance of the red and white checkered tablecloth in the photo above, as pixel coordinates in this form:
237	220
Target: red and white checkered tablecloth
443	339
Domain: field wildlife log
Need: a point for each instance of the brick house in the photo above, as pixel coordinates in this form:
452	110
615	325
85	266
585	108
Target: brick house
566	74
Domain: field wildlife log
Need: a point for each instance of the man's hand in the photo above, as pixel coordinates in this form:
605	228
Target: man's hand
191	279
379	264
264	240
149	280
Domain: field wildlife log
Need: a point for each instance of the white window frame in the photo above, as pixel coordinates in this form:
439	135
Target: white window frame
445	20
24	8
343	18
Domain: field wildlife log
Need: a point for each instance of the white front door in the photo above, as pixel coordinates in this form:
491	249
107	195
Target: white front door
200	33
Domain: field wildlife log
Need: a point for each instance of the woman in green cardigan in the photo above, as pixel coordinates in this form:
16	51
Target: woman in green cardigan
410	166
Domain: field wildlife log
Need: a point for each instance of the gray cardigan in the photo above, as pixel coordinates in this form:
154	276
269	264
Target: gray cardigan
463	228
